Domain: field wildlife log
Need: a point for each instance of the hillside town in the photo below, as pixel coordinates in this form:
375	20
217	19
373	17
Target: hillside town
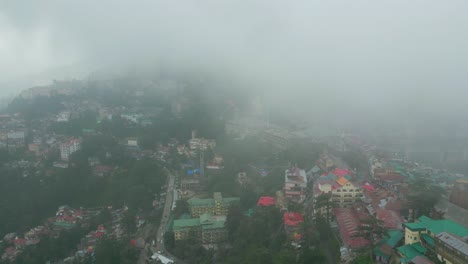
203	190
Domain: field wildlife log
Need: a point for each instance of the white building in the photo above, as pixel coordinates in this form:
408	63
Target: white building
16	139
69	147
134	118
295	184
201	144
63	116
132	142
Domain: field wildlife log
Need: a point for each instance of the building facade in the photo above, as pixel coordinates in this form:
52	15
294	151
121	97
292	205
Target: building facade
347	193
451	249
207	229
216	206
295	184
68	148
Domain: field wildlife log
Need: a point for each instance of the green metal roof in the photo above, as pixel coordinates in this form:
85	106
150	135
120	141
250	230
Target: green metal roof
180	224
408	251
429	240
394	237
211	201
214	225
415	226
444	225
419	247
205	219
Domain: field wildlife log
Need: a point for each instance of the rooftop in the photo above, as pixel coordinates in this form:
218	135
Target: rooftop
454	241
421	260
438	226
211	201
409	251
205	221
292	219
295	175
348	222
266	201
185	223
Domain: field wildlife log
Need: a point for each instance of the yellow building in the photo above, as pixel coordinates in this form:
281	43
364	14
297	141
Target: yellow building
346	193
207	228
216	206
426	229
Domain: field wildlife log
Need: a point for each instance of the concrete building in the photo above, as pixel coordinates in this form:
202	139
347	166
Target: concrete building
190	184
219	205
441	237
201	144
295	184
451	249
207	228
344	192
63	116
132	142
426	229
69	147
16	139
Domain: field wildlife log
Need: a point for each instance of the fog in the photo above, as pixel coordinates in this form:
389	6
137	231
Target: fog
342	60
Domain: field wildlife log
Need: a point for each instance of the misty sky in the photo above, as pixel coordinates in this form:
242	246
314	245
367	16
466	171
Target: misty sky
399	57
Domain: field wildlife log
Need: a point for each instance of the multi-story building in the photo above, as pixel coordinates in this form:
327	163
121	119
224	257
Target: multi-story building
343	192
451	249
132	142
16	139
207	228
216	206
295	184
438	236
190	184
346	193
201	144
69	147
425	229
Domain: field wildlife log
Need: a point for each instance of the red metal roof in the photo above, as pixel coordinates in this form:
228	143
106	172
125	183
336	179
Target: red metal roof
348	222
293	219
266	201
341	172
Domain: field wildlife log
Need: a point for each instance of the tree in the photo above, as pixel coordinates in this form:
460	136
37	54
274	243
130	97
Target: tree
109	251
324	201
234	218
370	229
423	196
129	222
169	241
181	208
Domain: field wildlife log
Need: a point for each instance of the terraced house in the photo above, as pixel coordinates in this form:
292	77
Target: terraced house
216	206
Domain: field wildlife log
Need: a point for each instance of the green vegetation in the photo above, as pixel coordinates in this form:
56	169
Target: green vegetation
53	248
109	251
423	196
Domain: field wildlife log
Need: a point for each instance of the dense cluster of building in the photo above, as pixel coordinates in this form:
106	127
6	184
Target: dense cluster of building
207	224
